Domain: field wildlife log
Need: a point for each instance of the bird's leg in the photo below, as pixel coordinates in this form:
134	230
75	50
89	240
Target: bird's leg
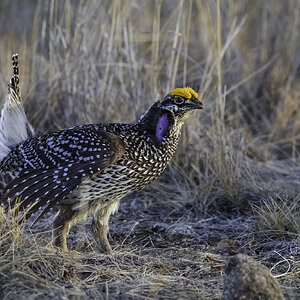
62	225
100	230
100	226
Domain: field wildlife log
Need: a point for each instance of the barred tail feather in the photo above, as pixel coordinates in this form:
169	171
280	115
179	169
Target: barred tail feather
14	125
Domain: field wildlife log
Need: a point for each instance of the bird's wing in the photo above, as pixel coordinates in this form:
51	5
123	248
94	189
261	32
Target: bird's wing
47	185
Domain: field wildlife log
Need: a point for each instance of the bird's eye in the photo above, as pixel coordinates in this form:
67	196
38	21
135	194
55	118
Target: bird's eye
178	100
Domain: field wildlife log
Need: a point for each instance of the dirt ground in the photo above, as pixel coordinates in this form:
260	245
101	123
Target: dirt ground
159	252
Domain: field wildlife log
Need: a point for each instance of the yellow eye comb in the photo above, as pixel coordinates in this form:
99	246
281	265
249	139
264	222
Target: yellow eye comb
186	92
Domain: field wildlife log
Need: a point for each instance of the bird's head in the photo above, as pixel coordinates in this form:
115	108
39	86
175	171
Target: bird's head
180	103
171	111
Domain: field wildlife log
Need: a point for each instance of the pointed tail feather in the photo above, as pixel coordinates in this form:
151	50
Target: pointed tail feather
14	125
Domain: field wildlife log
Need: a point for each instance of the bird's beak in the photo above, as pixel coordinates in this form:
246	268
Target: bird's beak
196	104
199	105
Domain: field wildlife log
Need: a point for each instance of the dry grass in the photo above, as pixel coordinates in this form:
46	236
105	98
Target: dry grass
107	61
29	266
280	216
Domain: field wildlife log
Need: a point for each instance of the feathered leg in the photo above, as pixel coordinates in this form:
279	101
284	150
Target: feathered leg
100	226
62	224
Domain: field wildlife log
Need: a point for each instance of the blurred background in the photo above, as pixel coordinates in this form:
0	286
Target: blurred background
107	61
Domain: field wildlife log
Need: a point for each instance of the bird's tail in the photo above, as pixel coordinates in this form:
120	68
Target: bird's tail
14	125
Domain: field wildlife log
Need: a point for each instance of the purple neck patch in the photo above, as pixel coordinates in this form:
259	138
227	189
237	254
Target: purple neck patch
161	127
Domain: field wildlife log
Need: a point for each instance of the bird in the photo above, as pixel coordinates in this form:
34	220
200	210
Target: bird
85	170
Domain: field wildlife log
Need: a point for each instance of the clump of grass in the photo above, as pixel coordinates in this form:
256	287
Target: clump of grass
278	215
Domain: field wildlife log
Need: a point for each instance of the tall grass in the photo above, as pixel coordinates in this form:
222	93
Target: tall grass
107	61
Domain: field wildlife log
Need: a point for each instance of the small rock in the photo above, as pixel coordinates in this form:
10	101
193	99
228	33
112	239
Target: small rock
180	231
248	279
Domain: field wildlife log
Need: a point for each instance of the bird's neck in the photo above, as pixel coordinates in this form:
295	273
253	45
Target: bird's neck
161	126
